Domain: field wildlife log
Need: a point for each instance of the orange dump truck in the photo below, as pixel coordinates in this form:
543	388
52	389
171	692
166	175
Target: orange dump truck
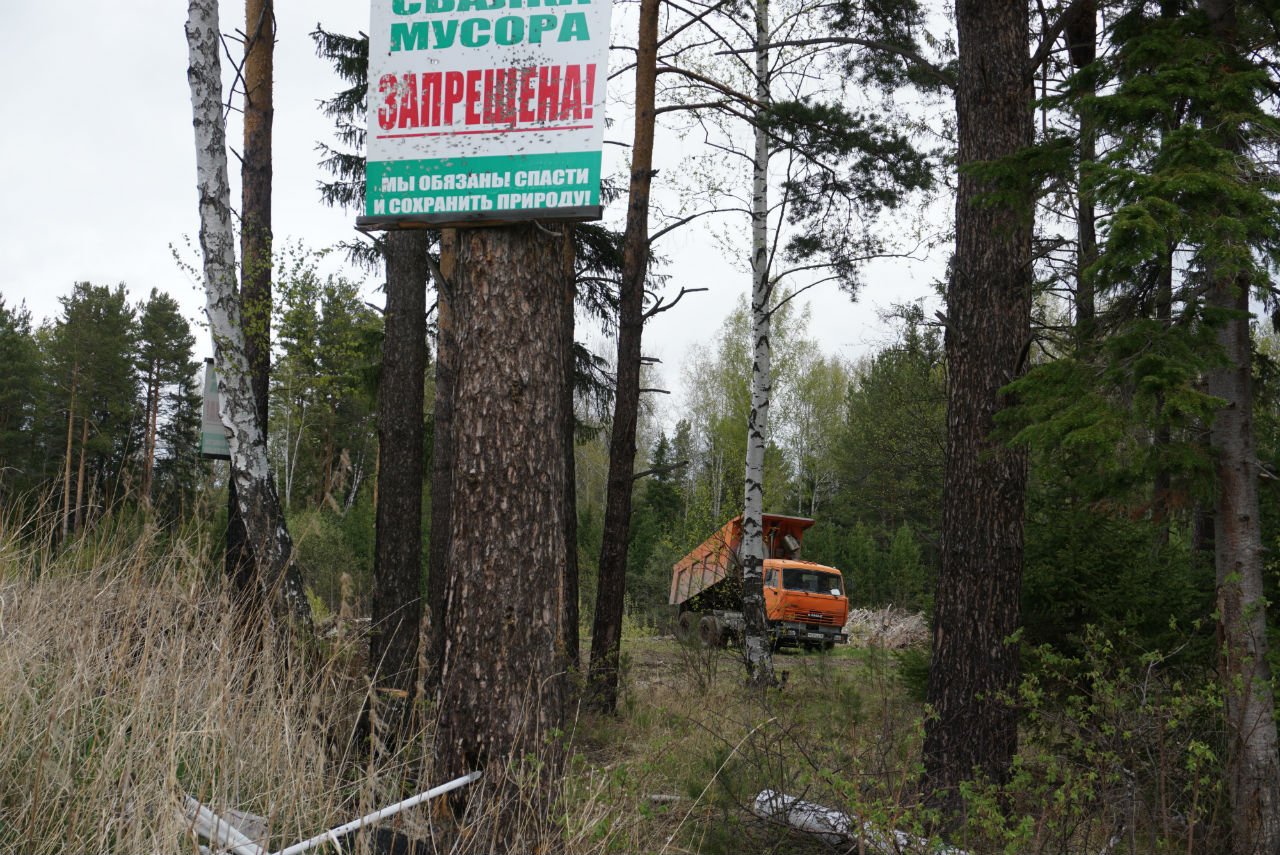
804	602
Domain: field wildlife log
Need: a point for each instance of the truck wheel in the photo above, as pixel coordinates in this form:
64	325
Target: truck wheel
709	631
686	628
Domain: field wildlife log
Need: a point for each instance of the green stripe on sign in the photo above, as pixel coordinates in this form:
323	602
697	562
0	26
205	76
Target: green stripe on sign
483	184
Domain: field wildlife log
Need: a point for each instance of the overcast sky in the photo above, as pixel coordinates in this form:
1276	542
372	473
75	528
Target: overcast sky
98	168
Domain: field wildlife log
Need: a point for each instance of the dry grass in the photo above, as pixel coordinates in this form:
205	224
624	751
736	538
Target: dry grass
125	682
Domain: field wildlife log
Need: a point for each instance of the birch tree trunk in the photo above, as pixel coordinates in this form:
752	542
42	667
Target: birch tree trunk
1253	767
503	684
757	648
977	608
276	577
606	635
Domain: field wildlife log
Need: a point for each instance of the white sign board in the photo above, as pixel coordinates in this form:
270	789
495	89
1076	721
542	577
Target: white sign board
485	110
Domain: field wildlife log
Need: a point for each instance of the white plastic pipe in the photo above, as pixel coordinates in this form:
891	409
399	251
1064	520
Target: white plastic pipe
218	831
391	810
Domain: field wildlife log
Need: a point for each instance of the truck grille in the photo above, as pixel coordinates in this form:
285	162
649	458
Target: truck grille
806	616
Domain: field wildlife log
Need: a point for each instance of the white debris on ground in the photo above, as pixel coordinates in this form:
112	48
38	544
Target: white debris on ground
836	828
889	628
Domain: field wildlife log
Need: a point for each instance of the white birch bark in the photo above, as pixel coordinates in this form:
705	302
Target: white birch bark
278	579
756	645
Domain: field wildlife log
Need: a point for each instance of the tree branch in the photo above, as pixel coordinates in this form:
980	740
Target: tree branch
1050	37
944	77
685	220
660	470
659	308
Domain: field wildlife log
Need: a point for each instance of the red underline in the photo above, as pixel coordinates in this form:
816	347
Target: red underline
494	131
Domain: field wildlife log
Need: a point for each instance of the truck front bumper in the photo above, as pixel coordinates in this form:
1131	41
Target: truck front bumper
807	633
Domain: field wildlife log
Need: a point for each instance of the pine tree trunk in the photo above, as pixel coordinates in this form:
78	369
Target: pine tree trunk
255	241
503	684
441	464
397	571
572	643
975	660
84	443
1162	483
152	416
1253	767
277	578
606	633
66	470
1083	40
1253	776
255	196
757	647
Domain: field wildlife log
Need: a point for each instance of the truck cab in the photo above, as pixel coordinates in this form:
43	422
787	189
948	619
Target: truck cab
805	603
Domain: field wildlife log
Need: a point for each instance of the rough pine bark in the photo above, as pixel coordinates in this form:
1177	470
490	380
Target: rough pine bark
255	246
606	634
397	569
1253	773
973	732
503	684
1253	767
441	464
568	305
277	577
756	646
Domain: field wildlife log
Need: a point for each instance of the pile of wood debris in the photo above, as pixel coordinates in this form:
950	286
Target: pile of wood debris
890	628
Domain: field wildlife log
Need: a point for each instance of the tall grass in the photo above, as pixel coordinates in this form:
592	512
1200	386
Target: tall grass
128	679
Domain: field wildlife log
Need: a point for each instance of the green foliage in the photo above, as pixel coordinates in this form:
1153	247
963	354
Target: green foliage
1095	566
1117	743
171	395
19	392
323	435
1183	106
329	547
1094	422
350	58
92	379
850	167
890	456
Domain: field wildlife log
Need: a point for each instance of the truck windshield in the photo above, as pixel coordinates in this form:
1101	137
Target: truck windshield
813	581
